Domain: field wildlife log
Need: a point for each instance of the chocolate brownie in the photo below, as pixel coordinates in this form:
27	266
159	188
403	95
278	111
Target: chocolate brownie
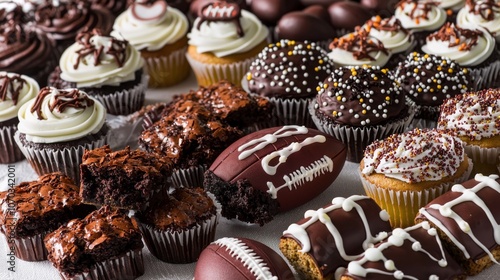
92	244
189	135
37	207
125	178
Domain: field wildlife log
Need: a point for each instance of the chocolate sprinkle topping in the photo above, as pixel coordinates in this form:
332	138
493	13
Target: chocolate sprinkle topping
117	48
221	11
483	8
456	36
359	44
63	99
7	83
424	6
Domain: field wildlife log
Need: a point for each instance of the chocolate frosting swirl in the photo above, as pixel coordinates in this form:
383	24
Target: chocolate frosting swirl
114	6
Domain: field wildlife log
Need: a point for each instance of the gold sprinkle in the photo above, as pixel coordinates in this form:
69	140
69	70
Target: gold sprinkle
387	98
339	98
320	61
361	100
290	52
363	112
249	76
325	86
335	84
450	70
318	88
415	70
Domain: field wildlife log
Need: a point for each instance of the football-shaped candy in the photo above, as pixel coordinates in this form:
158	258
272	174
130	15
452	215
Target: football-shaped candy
274	169
240	258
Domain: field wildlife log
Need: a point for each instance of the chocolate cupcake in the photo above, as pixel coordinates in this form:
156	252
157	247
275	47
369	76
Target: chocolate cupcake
63	20
359	105
32	209
177	228
57	126
287	73
15	90
428	80
107	68
106	244
472	47
26	50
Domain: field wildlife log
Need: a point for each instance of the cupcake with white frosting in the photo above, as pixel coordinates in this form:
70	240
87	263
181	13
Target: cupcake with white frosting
159	32
15	90
483	13
404	172
471	47
57	126
106	68
223	43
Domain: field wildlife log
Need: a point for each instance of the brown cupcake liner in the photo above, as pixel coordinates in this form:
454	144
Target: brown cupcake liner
180	246
358	138
126	101
65	160
31	249
403	206
208	74
191	177
9	151
129	265
167	70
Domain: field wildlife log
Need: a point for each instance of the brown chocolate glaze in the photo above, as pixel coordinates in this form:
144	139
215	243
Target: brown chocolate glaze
221	11
270	11
181	210
360	96
196	5
289	69
101	235
116	7
40	206
299	24
8	85
348	14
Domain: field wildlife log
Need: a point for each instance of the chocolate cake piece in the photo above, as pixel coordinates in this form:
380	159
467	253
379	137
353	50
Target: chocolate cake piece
30	210
124	179
106	244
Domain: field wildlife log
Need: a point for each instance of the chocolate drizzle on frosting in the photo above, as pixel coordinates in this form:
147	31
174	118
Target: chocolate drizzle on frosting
221	11
465	39
386	24
63	99
359	44
116	48
14	83
424	6
483	8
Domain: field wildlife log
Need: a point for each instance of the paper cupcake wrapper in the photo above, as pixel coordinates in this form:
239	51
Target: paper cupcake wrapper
422	123
291	112
127	266
487	76
31	249
358	138
180	246
9	151
124	130
191	177
126	101
208	74
167	70
403	206
485	160
65	160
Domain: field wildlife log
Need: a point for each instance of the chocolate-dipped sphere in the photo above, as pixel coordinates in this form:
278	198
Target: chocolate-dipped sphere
270	11
348	15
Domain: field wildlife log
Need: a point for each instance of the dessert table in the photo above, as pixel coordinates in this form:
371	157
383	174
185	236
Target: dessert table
346	184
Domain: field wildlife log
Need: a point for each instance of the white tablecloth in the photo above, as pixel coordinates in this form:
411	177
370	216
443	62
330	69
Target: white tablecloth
345	185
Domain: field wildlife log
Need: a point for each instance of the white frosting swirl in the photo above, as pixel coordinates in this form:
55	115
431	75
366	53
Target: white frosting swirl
466	17
395	41
8	110
70	124
420	21
151	35
454	5
478	53
107	72
341	57
473	115
414	156
221	38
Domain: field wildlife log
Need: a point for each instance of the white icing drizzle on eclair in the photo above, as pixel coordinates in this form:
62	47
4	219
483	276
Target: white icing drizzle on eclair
239	250
468	195
397	238
321	215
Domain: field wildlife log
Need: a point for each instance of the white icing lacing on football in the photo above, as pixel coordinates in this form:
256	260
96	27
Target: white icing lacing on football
467	195
238	249
304	174
260	143
398	237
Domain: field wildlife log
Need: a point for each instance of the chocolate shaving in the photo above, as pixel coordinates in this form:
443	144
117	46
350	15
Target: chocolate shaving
12	32
456	36
386	24
424	6
16	15
117	48
484	8
359	44
63	99
221	11
7	82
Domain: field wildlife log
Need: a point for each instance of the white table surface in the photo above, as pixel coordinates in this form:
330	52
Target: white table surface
346	184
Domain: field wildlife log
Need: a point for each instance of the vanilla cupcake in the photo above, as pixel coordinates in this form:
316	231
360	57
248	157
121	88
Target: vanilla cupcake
404	172
475	118
15	90
106	68
223	43
158	31
57	126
